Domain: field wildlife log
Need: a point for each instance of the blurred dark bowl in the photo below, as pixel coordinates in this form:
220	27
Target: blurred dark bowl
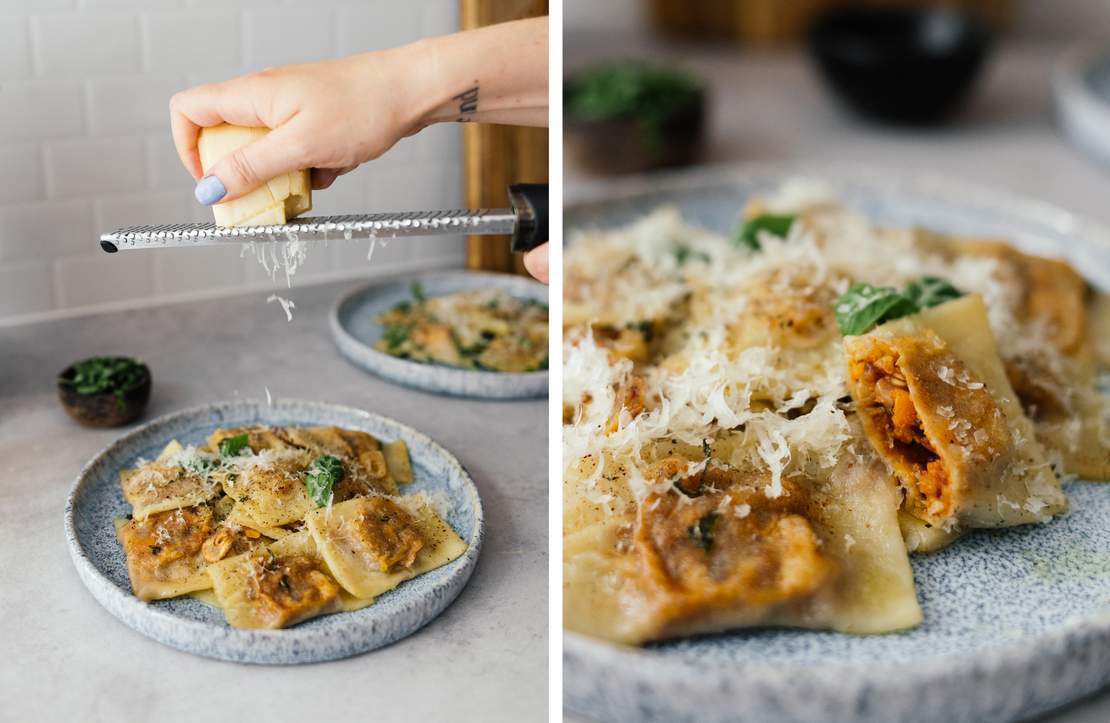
912	65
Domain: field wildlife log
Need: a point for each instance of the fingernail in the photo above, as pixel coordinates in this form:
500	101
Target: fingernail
209	190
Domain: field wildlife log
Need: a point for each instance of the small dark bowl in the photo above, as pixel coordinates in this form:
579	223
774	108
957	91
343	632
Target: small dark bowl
617	146
900	65
104	410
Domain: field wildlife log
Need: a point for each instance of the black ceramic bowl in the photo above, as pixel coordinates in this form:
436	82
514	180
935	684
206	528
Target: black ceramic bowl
104	410
912	65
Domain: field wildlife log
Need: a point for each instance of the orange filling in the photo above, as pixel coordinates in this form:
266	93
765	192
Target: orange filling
892	409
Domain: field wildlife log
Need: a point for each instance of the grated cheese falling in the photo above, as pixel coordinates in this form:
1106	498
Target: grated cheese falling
287	305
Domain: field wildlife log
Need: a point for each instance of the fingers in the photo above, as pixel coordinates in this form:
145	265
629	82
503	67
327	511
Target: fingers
248	167
536	263
209	105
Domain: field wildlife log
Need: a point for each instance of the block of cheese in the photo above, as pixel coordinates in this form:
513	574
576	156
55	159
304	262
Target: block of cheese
274	202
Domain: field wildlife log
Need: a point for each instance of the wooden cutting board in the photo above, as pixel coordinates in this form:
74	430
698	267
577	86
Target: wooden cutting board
495	156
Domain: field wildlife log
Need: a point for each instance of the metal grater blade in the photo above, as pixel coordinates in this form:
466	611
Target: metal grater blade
319	228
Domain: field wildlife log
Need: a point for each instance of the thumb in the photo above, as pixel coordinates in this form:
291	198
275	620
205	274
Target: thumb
252	165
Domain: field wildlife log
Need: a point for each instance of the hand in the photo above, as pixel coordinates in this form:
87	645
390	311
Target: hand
333	115
536	263
319	114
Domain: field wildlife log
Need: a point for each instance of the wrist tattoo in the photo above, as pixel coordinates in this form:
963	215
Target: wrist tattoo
468	103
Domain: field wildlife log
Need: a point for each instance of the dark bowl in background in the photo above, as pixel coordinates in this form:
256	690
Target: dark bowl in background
910	66
104	410
620	145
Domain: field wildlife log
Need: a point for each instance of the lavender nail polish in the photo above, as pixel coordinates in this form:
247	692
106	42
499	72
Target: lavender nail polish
209	190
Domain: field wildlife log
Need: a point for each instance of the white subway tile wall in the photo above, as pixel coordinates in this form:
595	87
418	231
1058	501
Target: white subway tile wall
86	148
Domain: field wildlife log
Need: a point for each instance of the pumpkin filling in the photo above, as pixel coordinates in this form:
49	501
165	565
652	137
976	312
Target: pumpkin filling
911	453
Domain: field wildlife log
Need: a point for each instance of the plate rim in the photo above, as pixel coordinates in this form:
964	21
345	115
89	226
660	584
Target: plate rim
458	382
584	656
123	605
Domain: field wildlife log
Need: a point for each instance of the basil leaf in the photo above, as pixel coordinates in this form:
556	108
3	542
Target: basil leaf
395	335
863	306
232	446
776	225
930	291
323	474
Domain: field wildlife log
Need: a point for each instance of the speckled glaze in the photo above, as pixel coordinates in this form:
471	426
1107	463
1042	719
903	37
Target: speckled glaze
194	627
355	329
1017	621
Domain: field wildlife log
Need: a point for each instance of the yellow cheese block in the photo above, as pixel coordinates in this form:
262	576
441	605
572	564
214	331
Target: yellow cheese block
274	202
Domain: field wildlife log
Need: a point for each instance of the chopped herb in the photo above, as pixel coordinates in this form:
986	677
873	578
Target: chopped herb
403	307
706	450
106	375
930	291
702	532
418	292
488	335
323	474
863	306
233	446
474	349
395	335
747	234
683	253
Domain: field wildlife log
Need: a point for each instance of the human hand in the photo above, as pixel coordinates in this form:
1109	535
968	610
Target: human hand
319	115
333	115
536	263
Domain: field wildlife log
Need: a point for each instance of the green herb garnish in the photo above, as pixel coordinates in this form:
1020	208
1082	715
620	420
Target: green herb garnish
863	306
232	446
106	375
747	234
645	327
395	335
702	532
418	292
323	474
683	253
930	291
631	90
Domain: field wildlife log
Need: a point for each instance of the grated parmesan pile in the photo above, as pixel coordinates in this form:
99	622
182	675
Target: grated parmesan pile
721	376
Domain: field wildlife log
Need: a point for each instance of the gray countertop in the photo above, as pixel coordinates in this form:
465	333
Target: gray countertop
770	106
65	658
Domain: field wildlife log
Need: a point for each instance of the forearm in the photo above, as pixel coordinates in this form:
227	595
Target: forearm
496	74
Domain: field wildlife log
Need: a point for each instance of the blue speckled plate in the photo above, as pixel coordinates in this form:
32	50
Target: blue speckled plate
1017	622
194	627
355	329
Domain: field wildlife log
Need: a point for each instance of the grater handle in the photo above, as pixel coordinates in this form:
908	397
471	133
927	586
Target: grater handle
529	202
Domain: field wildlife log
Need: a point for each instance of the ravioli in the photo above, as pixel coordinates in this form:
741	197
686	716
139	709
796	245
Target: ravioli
372	544
271	491
245	547
937	407
158	485
275	587
164	552
826	554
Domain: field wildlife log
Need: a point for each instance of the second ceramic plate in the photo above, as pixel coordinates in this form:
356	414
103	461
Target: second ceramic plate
355	328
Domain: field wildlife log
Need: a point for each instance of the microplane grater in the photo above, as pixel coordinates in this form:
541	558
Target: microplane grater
526	222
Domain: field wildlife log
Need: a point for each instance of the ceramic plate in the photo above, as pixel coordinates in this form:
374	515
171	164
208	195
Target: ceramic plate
1017	622
355	329
194	627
